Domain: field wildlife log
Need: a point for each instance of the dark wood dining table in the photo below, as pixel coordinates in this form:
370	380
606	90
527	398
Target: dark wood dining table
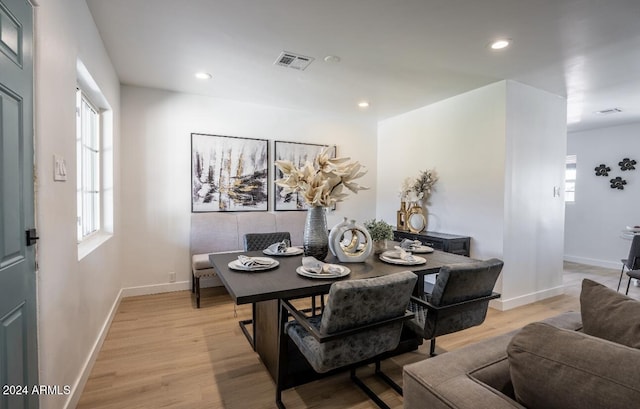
266	288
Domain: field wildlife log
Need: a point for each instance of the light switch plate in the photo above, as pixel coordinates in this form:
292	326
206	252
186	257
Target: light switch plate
59	169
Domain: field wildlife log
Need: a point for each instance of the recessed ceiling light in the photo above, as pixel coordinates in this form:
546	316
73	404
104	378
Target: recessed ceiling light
332	58
363	104
500	44
203	76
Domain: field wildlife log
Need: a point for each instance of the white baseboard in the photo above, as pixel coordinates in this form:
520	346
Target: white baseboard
156	289
593	262
503	305
76	390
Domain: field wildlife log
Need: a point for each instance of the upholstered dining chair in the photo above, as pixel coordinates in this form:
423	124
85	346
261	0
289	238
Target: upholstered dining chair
254	242
632	262
362	319
632	274
459	300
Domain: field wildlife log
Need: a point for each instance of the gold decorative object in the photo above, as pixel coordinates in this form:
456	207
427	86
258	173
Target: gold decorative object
416	220
402	216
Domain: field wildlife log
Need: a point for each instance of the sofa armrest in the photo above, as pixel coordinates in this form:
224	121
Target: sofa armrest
476	376
445	381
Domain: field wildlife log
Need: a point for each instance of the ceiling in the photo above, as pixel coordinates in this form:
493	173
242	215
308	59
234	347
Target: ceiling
398	55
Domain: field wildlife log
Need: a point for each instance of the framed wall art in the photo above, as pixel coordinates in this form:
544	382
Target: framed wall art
228	173
298	154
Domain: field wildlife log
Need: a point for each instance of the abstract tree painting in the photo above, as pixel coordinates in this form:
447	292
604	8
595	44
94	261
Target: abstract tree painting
228	173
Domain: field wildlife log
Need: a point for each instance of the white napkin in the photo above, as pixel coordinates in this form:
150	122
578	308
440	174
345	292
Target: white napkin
314	265
254	261
280	247
400	253
408	244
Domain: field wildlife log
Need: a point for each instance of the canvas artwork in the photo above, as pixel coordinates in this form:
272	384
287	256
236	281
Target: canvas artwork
298	154
228	173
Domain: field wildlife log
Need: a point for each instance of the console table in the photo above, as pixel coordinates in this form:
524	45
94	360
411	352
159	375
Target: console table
449	243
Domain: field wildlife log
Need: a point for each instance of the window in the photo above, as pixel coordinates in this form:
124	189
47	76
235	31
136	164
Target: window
88	165
570	179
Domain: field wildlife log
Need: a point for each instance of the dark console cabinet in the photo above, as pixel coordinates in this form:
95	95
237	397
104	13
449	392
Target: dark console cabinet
450	243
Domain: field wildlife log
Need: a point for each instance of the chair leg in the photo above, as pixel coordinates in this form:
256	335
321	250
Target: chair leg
628	285
193	282
197	284
368	391
620	280
387	380
432	348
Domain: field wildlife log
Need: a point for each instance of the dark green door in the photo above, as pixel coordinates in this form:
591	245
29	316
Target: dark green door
18	325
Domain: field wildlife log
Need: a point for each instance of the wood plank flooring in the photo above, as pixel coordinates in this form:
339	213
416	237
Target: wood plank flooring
162	352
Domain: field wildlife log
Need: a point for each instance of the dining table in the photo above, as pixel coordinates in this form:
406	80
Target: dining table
265	288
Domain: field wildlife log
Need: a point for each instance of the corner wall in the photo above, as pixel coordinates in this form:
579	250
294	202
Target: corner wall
499	151
156	155
595	221
75	298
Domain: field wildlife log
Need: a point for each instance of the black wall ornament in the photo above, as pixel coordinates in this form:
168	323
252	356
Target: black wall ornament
602	170
618	183
627	164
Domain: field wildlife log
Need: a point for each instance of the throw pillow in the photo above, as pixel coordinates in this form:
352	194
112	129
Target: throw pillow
555	368
609	315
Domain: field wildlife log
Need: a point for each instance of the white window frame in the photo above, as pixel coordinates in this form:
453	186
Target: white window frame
88	162
570	176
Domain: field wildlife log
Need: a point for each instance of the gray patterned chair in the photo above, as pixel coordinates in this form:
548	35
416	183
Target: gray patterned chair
459	300
362	320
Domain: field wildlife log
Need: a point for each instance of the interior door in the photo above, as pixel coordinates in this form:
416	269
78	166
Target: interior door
18	325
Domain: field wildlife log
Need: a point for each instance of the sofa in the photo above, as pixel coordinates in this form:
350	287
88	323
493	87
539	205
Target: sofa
215	232
587	359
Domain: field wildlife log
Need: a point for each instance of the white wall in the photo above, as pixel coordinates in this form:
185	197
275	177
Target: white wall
497	150
463	138
595	221
74	297
534	215
156	143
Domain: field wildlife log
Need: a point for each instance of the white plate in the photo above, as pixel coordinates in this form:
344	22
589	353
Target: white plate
417	260
344	271
291	251
422	249
236	265
633	229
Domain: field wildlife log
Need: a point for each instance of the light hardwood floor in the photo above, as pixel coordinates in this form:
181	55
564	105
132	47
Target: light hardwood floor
162	352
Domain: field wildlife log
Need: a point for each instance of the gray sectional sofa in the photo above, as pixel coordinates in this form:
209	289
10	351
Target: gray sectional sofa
588	359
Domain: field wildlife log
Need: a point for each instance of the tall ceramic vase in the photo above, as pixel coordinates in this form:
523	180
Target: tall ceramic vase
316	239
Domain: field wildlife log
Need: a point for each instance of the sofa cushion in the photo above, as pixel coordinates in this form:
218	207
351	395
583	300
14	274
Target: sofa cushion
609	315
555	368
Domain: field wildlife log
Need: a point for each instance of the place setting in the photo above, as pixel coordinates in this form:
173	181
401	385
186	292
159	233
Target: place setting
402	257
314	268
282	249
246	263
415	246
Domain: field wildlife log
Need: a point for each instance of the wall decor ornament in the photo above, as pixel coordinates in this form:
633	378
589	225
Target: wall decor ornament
602	170
627	164
298	154
618	183
228	173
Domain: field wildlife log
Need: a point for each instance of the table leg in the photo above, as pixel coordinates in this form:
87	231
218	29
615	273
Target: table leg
265	322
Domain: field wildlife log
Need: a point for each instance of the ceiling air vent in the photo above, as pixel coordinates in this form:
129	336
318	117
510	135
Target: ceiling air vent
292	60
609	111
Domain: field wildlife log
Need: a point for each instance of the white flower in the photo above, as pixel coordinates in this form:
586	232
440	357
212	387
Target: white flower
321	182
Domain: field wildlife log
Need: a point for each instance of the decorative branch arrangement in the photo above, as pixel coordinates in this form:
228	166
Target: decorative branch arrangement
321	182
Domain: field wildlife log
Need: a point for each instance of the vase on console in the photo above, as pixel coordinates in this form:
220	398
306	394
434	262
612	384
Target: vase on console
315	239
